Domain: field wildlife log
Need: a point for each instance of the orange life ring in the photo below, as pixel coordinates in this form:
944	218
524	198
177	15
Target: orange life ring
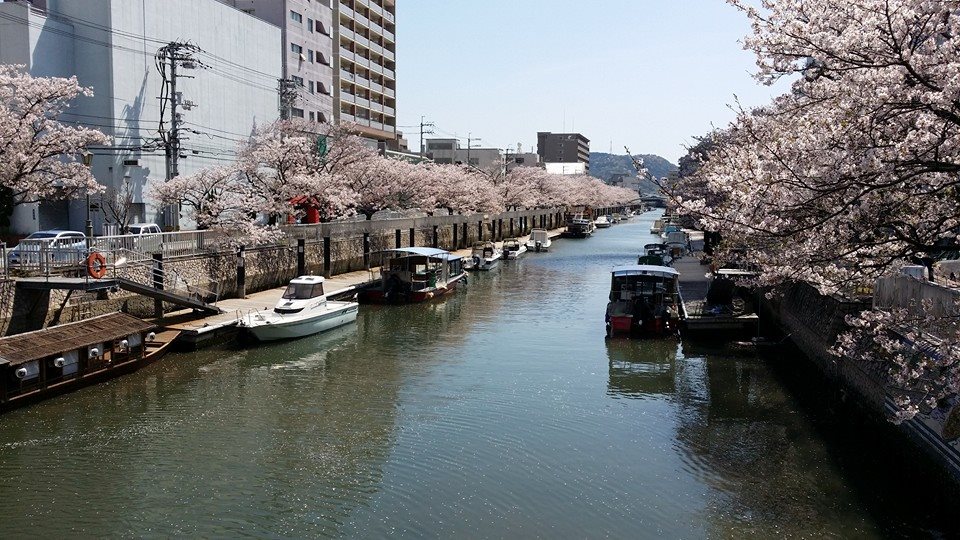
96	265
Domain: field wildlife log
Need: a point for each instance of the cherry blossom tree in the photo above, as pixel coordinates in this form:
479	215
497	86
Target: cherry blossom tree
854	172
38	152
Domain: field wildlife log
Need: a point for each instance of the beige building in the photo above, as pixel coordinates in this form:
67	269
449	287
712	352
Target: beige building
341	57
365	66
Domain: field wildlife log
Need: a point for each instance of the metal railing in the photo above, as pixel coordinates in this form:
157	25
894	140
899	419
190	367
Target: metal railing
170	244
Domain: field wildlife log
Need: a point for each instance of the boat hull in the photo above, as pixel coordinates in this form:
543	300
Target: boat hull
377	296
274	329
541	247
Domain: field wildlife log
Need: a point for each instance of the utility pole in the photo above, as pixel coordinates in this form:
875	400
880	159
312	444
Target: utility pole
287	89
469	143
169	58
425	128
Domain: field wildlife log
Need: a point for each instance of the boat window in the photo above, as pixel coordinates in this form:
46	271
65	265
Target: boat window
303	291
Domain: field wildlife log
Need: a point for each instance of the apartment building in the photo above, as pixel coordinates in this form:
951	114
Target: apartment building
341	57
365	67
564	148
110	45
308	54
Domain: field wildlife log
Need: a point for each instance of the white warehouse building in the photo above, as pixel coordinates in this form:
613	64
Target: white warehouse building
111	45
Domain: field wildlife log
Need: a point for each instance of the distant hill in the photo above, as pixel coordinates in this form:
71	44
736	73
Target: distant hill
603	166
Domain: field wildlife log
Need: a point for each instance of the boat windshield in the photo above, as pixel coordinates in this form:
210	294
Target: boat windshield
303	291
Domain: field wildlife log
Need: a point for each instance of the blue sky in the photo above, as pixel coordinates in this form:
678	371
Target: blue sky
647	74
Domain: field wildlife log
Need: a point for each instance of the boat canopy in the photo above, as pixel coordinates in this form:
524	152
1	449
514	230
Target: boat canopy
645	270
426	252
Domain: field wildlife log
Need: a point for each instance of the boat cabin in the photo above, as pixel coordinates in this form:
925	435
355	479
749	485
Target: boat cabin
484	250
511	244
34	365
655	255
414	269
299	289
644	298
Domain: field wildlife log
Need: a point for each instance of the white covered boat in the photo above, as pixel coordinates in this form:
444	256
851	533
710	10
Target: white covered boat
485	256
302	311
512	249
602	222
539	240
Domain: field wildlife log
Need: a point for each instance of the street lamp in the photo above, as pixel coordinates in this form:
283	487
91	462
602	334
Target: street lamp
87	157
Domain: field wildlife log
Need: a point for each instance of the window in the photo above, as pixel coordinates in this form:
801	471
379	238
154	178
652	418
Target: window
321	117
310	55
323	88
310	25
322	29
298	80
311	87
296	48
322	58
297	113
296	16
313	117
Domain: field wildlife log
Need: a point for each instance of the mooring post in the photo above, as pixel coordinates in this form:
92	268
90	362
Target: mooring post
413	236
397	233
456	233
326	256
480	231
301	256
465	239
500	227
158	284
241	273
366	249
436	237
511	226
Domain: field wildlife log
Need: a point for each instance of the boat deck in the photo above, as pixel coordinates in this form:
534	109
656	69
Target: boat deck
694	284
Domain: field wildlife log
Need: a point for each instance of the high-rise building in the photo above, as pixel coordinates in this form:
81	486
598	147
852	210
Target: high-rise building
308	54
339	59
365	67
564	148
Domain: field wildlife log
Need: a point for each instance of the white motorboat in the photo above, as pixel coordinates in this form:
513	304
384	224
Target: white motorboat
485	256
302	311
539	240
512	249
602	222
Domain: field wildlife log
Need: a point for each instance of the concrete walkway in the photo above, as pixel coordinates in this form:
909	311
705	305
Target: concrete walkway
194	324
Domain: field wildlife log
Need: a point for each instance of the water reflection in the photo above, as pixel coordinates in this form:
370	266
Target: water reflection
642	369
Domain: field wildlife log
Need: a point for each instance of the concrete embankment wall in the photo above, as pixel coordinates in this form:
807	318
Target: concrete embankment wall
814	321
271	265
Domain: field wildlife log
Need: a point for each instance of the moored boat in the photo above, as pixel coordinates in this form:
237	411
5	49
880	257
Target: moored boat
485	256
539	240
303	310
644	300
415	274
602	222
45	363
512	249
579	227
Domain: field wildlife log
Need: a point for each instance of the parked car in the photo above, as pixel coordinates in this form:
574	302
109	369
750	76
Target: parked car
143	229
52	246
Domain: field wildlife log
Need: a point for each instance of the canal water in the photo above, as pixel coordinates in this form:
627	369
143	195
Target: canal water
499	412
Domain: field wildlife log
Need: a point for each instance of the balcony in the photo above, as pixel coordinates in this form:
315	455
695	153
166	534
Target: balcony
390	92
376	48
346	32
389	35
388	54
347	11
389	111
362	81
346	75
376	68
376	87
389	73
365	103
347	54
344	117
